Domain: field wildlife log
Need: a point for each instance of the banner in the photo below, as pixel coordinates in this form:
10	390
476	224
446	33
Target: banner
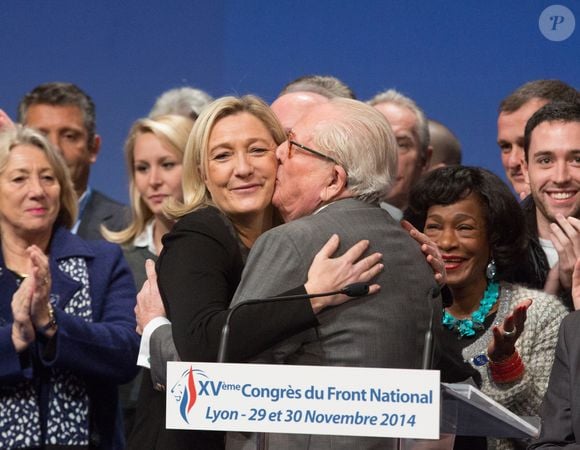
352	401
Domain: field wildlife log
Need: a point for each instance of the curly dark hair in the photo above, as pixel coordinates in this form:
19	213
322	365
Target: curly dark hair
505	224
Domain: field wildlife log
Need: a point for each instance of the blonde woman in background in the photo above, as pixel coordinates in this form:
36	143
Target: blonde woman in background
154	154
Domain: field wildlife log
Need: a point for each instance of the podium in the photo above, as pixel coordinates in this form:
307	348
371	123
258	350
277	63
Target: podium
466	411
408	406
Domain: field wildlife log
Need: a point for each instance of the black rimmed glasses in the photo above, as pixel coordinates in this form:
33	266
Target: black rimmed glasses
292	142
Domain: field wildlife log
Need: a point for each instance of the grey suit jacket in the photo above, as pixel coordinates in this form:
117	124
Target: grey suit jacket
383	330
102	210
560	411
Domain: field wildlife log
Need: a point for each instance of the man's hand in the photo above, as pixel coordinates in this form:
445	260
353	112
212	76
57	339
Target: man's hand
149	303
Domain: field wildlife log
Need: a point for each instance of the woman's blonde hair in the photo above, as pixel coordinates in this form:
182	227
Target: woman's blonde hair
195	160
173	131
20	135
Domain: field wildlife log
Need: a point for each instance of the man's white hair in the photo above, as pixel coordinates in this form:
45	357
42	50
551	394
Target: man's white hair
361	140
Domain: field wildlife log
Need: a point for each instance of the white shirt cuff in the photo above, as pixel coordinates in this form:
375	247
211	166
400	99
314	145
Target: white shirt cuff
144	357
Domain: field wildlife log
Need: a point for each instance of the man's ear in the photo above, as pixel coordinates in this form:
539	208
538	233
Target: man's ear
94	148
337	185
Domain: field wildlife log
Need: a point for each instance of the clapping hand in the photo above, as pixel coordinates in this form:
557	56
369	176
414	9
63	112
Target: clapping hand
565	235
40	273
23	333
30	302
503	344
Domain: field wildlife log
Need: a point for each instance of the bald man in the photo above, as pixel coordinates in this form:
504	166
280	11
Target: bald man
446	146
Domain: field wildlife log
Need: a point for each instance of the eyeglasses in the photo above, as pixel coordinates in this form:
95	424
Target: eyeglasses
291	142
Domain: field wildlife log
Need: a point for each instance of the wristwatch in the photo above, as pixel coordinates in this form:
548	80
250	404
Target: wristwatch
51	325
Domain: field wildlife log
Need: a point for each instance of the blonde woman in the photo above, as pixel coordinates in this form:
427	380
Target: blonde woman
154	154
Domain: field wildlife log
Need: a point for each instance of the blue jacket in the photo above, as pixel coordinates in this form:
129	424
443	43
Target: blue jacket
103	352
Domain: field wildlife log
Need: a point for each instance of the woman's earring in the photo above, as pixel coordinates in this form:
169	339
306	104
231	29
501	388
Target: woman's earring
491	270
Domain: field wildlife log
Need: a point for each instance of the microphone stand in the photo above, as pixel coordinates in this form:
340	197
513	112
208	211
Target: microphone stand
427	357
352	290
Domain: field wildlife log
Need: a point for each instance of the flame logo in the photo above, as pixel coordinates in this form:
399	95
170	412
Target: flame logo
189	396
185	392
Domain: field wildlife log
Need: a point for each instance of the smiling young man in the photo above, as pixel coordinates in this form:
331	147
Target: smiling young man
552	169
514	112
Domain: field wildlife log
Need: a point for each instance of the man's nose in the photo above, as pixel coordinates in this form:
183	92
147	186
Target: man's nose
516	157
562	173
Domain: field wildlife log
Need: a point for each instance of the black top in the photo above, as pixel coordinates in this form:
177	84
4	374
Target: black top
199	270
451	363
455	370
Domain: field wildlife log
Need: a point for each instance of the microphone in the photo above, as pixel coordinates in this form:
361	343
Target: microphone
355	290
352	290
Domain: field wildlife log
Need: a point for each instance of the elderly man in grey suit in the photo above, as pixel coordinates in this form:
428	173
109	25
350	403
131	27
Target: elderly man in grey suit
334	169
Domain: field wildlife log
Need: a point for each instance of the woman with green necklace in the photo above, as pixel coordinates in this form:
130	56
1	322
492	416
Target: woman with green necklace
500	333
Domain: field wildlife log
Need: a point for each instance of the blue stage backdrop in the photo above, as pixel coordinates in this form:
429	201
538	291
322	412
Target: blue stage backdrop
456	59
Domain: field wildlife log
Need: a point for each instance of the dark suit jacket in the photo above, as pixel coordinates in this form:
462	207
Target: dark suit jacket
102	210
136	257
129	392
560	411
382	330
